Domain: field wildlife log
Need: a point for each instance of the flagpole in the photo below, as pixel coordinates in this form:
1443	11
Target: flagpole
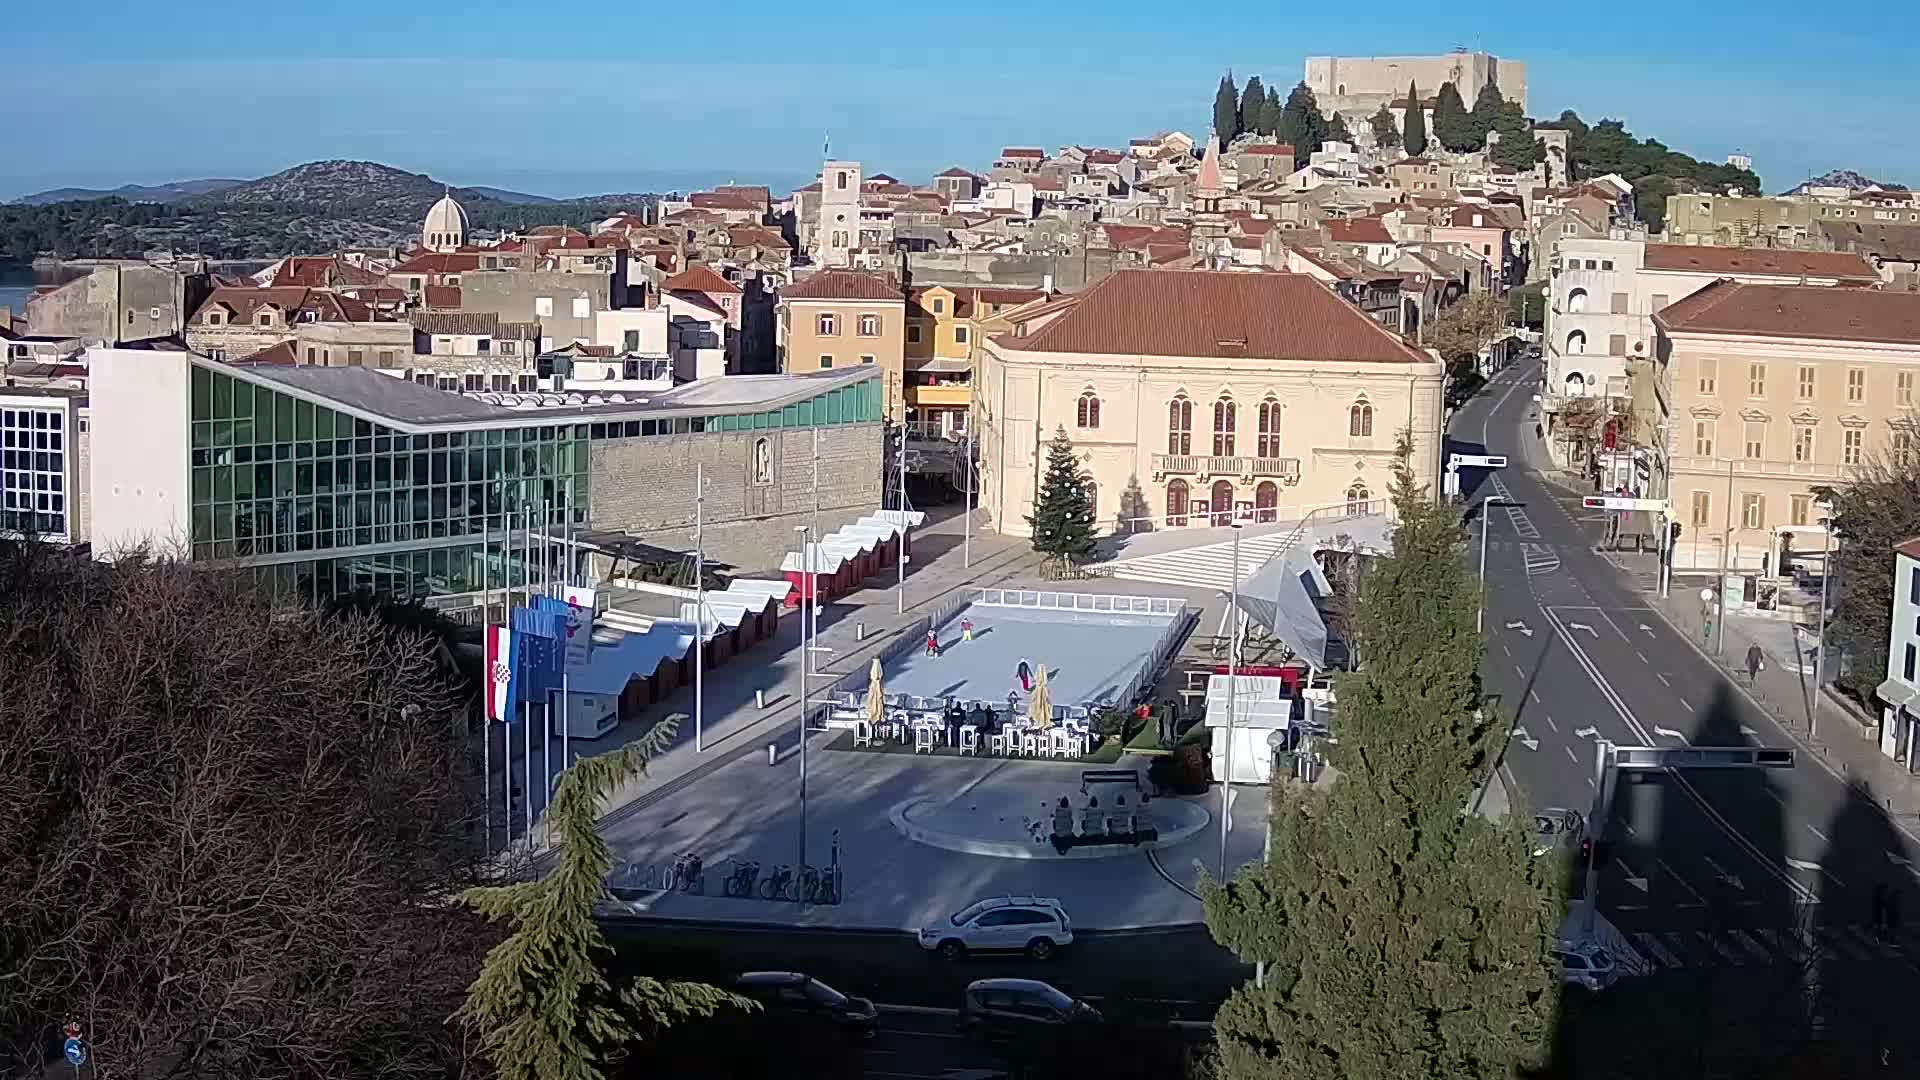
486	684
699	604
566	687
526	700
506	712
546	698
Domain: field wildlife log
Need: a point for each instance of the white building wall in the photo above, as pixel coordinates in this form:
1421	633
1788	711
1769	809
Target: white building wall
610	328
139	468
1904	634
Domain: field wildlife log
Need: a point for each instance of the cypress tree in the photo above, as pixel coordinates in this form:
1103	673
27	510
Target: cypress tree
542	1005
1485	114
1386	134
1414	136
1226	109
1401	936
1301	124
1062	518
1452	128
1252	100
1270	113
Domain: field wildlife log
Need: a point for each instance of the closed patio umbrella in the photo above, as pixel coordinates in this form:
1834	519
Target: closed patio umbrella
1040	706
876	696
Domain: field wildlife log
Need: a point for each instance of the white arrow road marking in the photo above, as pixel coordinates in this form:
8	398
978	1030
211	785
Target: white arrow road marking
1586	732
1724	876
1522	627
1583	626
1648	629
1526	740
1749	732
1669	733
1637	882
1802	864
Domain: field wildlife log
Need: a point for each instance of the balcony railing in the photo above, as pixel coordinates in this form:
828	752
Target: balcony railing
1749	467
1207	465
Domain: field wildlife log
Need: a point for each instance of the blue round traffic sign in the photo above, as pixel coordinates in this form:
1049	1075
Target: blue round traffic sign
76	1052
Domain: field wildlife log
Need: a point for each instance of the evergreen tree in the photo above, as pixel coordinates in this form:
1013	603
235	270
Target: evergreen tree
1487	108
1270	113
1301	124
1386	134
1252	100
1226	109
1062	519
1518	147
1401	936
542	1005
1452	127
1337	131
1414	137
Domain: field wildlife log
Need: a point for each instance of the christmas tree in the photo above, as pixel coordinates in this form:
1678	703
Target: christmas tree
1062	519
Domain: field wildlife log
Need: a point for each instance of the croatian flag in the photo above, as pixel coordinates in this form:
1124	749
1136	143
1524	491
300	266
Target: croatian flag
500	665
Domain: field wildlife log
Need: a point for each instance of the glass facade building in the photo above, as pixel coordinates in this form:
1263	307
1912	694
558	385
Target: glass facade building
33	469
326	502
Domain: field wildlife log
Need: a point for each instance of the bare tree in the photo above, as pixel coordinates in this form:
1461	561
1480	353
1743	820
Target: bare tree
233	830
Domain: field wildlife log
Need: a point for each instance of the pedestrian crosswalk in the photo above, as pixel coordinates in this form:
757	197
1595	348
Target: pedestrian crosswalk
1667	950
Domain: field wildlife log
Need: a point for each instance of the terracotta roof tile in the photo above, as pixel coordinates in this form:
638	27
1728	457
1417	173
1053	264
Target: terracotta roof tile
245	301
439	262
1817	312
1022	152
443	297
322	272
1909	547
1732	260
700	278
723	200
1365	230
957	171
1217	314
281	353
1267	150
843	285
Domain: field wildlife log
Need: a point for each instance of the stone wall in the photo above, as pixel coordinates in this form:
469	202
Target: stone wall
1070	272
645	488
117	303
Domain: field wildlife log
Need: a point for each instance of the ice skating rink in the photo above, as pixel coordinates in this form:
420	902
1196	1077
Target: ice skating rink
1089	656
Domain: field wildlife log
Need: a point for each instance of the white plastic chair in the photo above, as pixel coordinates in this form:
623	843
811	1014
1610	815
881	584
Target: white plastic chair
969	739
997	743
1057	742
1030	742
862	733
923	739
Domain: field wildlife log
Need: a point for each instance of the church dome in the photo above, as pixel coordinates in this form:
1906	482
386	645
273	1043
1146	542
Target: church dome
446	226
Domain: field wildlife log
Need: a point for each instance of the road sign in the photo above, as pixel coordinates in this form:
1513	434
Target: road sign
1640	758
1479	461
1615	502
76	1052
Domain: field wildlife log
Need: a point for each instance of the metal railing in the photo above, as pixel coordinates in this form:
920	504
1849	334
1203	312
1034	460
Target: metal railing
1087	602
1762	467
1218	465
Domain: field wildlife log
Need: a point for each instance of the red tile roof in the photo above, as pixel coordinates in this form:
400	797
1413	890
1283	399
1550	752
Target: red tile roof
439	262
700	278
1362	230
1022	152
957	171
443	297
756	236
760	193
1909	547
724	200
843	285
322	272
280	353
1814	312
1729	260
1267	150
244	302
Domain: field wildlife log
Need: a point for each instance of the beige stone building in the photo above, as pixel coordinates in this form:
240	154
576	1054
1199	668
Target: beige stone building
1217	395
845	318
1779	389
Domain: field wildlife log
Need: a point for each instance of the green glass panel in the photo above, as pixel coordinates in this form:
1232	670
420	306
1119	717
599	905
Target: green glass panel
243	482
303	421
202	527
283	426
202	433
222	396
202	485
201	391
242	400
222	522
790	416
580	456
243	429
323	423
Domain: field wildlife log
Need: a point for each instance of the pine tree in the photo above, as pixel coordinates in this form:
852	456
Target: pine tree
1252	100
1337	131
1386	134
542	1005
1487	107
1518	147
1062	519
1226	109
1452	128
1270	113
1301	124
1401	936
1414	135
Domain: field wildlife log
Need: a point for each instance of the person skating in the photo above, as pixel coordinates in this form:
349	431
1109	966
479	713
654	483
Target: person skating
966	629
933	642
1025	673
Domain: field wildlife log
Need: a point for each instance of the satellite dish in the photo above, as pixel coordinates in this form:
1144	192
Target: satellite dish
617	399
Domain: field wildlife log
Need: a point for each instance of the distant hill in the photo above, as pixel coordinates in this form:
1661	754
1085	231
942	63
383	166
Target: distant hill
1845	178
503	195
158	193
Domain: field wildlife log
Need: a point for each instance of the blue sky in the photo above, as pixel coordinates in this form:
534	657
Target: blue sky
569	99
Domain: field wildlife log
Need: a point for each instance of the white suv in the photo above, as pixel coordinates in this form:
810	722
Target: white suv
1035	925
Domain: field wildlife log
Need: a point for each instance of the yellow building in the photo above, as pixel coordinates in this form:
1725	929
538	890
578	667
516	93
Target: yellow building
1777	390
843	318
1200	397
945	326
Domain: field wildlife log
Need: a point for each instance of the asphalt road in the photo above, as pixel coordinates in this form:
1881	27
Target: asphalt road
1705	867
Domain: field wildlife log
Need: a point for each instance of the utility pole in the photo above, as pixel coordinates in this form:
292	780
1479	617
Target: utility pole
966	538
699	604
1820	641
1726	548
811	596
900	590
1233	704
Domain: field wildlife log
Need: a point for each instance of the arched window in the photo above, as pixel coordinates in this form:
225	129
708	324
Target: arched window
1177	503
1577	301
1180	426
1221	504
1086	414
1093	501
1577	341
1359	499
1576	384
1266	502
1225	414
1360	420
1269	429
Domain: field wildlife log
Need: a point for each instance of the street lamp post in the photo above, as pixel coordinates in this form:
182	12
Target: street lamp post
1233	686
810	596
1820	640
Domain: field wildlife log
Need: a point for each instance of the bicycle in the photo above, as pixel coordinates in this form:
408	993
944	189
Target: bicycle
689	873
822	886
778	884
741	881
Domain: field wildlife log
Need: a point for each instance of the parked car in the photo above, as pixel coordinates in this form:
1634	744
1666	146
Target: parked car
1586	965
1035	925
794	998
1559	829
1019	1010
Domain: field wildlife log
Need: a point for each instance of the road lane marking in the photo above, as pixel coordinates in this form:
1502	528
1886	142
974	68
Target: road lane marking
1504	649
1642	656
1752	946
1518	671
1554	726
1723	873
1534	695
1570	756
1776	796
1649	945
1683	701
1818	833
1678	880
1663	679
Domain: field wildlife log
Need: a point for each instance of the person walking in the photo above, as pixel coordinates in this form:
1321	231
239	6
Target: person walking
1756	662
933	642
966	629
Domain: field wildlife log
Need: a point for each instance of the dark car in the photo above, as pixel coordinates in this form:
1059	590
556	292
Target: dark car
789	997
1014	1010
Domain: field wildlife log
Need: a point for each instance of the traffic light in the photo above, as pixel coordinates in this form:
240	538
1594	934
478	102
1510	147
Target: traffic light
1673	532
